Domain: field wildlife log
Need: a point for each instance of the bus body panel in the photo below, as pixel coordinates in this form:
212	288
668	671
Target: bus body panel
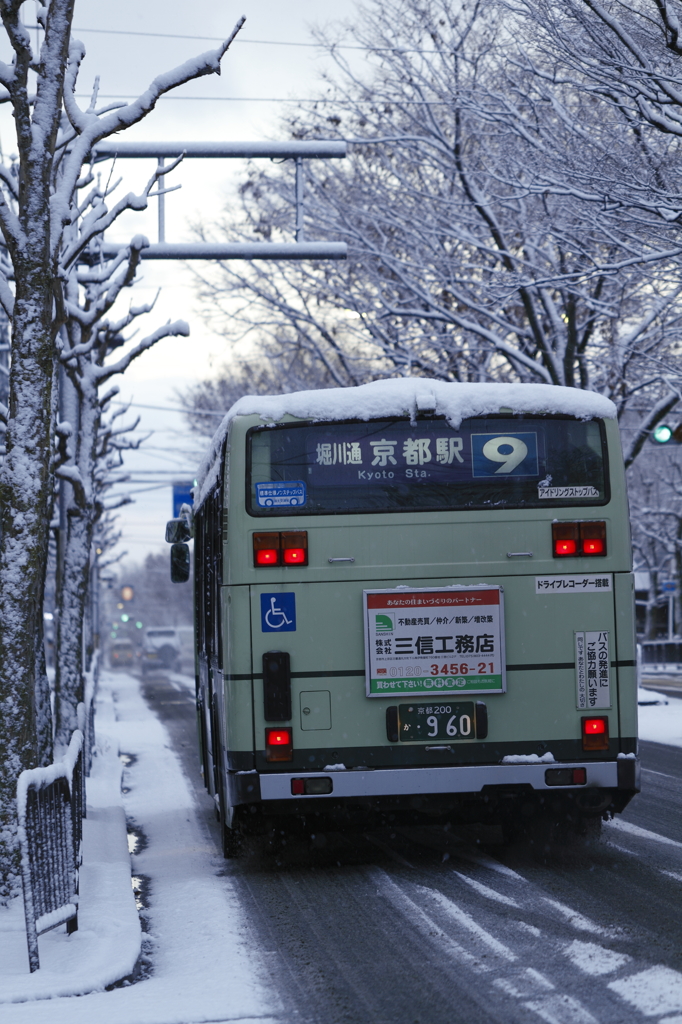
329	640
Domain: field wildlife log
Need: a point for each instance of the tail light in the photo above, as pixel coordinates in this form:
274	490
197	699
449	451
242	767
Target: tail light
278	745
280	548
295	547
564	539
579	538
595	733
593	537
266	549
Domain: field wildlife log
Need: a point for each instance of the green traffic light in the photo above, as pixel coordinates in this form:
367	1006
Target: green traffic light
662	433
138	625
124	617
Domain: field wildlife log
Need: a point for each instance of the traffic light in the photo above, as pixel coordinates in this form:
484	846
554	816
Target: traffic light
127	593
665	434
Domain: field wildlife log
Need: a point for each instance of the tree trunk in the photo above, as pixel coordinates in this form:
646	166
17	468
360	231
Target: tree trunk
25	512
74	582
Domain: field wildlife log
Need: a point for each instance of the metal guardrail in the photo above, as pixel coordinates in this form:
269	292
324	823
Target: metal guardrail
51	807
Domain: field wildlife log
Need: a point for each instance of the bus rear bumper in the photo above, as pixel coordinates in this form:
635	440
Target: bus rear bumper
623	774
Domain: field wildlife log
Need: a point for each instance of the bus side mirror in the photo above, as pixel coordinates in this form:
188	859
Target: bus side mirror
179	563
178	531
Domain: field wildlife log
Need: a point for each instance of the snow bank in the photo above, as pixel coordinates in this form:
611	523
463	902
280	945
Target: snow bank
204	965
405	396
661	723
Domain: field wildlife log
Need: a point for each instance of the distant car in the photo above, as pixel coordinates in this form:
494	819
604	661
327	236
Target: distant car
121	654
160	650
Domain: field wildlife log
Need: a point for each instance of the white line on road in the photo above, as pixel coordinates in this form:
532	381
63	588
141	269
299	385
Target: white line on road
483	890
653	992
642	833
463	919
402	902
595	960
561	1010
578	921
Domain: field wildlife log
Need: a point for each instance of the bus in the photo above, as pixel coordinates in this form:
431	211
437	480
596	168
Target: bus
414	602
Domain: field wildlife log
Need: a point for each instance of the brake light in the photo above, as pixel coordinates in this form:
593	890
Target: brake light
593	537
294	556
578	538
266	549
295	547
280	548
278	745
593	547
564	539
267	556
595	733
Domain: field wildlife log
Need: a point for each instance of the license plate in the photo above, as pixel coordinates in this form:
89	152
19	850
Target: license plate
445	721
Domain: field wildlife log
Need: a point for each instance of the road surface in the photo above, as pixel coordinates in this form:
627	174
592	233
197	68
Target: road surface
424	926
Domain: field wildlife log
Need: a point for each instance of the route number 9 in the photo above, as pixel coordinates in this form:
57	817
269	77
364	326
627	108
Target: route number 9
510	451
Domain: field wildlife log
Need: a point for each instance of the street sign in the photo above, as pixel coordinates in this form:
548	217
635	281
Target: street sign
182	495
668	586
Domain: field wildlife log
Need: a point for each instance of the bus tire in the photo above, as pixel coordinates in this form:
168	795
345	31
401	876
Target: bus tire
232	841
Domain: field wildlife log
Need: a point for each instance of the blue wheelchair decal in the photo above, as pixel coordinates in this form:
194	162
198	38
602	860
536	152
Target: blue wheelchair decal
278	613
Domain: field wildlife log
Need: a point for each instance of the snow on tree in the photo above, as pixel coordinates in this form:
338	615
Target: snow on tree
51	215
467	261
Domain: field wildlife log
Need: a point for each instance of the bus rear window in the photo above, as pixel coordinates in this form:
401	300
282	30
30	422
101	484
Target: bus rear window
394	466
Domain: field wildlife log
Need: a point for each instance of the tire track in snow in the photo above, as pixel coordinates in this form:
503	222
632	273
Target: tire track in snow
643	991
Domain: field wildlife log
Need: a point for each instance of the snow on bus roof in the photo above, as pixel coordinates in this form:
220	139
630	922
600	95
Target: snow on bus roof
404	396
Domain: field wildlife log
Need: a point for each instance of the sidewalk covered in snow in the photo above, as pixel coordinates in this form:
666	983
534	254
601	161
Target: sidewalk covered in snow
193	959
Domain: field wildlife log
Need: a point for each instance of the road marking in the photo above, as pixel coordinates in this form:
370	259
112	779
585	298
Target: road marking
524	985
642	833
402	902
561	1010
489	862
463	919
525	927
583	924
593	959
672	874
490	894
675	778
653	992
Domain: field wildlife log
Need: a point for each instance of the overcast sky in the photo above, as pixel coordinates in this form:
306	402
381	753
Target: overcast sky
262	64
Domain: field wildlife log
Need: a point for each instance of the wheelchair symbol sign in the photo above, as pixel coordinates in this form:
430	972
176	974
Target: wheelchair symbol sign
278	613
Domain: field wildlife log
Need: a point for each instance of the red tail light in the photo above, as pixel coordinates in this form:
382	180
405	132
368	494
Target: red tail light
267	556
564	539
595	733
266	549
278	745
295	547
593	537
280	548
579	538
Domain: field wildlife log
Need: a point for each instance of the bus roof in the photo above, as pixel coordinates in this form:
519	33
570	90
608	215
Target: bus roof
404	396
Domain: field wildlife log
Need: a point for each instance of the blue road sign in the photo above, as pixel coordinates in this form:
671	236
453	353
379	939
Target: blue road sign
182	495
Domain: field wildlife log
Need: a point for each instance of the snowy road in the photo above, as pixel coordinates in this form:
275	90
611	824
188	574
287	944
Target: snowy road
422	927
